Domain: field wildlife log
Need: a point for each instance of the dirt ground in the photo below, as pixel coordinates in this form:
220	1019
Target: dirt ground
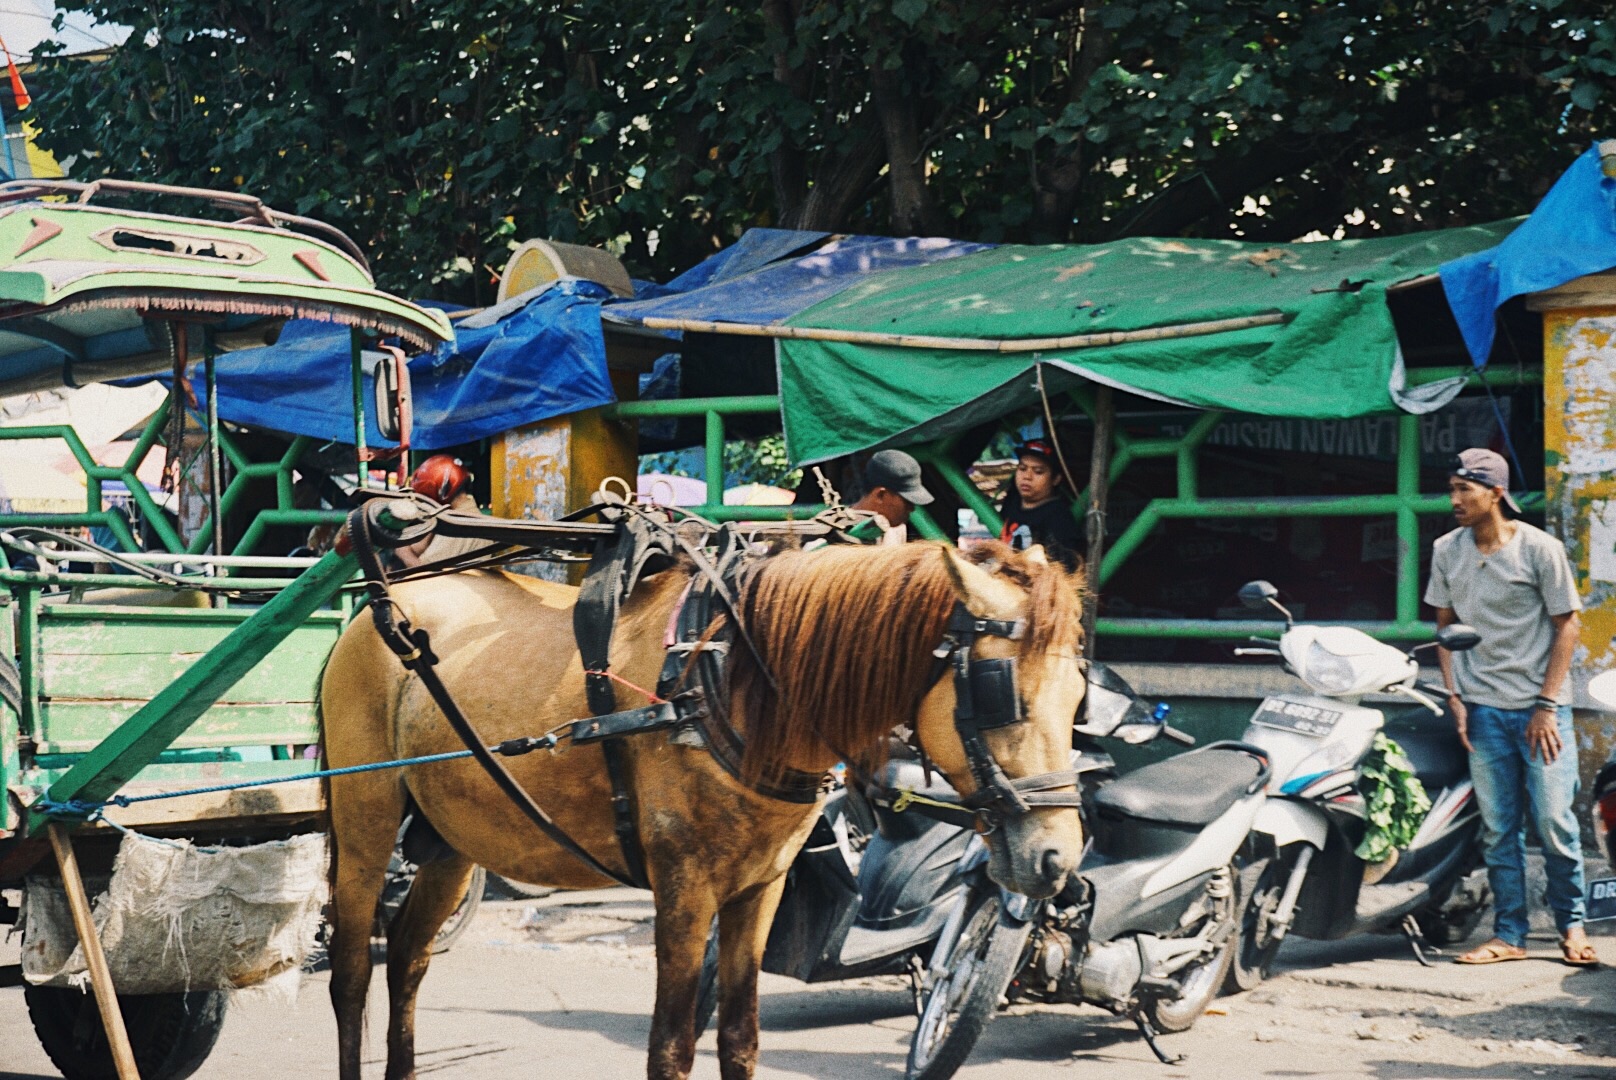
562	987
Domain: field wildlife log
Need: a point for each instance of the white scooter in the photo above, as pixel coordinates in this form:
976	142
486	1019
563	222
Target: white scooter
1303	875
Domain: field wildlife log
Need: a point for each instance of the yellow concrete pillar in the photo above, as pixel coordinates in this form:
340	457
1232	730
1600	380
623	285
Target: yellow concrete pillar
550	468
1579	433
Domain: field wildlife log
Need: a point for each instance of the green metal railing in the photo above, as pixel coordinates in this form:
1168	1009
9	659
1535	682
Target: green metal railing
244	474
1406	504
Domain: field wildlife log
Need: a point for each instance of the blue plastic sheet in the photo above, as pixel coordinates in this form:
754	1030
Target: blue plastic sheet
777	290
1572	233
755	249
544	360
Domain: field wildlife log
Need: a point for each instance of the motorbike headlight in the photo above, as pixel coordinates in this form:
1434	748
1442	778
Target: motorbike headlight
1329	673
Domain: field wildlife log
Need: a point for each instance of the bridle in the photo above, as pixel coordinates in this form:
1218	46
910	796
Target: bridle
987	697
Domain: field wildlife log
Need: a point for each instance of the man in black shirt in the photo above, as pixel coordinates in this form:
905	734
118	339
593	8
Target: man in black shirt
1040	502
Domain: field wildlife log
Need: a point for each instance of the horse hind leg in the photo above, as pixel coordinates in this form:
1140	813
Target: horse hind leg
437	890
743	931
365	814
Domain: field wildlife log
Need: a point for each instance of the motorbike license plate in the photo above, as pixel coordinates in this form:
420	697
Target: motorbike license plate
1298	717
1601	899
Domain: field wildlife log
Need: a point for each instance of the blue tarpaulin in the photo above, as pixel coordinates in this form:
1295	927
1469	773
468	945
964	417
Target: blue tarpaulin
524	362
545	359
1572	233
755	290
755	249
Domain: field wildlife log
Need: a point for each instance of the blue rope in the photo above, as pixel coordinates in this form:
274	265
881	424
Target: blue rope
91	810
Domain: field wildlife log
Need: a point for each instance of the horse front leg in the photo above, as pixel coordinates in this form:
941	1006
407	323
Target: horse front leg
743	931
681	940
434	894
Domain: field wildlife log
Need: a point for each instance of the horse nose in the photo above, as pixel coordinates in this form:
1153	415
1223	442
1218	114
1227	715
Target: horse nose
1055	866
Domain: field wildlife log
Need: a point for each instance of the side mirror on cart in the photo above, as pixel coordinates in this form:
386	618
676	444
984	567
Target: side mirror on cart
1457	637
393	412
1259	595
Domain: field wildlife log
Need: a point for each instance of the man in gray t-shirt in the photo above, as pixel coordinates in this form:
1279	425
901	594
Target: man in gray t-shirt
1511	695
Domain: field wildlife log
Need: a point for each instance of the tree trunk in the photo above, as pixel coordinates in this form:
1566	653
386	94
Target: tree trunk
912	210
841	181
788	165
1059	182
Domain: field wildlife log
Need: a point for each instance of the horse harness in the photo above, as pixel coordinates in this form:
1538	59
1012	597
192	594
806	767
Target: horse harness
986	691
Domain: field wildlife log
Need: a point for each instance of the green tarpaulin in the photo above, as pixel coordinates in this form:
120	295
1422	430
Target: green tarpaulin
1332	356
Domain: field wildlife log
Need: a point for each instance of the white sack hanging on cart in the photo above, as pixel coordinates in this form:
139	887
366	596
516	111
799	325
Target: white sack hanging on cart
176	917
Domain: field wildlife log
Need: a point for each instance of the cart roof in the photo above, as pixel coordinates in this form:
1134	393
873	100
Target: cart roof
88	292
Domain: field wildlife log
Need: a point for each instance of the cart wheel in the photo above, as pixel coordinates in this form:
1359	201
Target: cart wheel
170	1034
457	922
510	889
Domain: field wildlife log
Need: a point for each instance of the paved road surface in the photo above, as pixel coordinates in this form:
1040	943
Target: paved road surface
563	988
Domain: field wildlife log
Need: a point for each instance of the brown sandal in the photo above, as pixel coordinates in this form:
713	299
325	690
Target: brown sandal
1579	953
1496	951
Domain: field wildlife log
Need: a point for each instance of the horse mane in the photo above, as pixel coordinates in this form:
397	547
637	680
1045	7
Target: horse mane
848	633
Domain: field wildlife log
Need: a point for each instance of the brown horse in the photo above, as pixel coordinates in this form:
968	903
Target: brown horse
848	635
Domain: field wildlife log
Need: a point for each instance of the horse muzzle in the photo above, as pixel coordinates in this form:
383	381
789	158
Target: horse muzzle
1033	856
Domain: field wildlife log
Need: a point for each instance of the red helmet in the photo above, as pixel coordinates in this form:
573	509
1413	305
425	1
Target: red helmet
441	478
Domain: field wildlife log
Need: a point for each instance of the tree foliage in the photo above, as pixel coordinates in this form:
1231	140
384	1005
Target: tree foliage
439	131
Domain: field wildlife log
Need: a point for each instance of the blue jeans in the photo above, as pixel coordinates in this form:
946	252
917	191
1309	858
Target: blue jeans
1509	781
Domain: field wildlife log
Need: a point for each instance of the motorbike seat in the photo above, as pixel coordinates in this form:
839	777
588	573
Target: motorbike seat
1433	748
1190	789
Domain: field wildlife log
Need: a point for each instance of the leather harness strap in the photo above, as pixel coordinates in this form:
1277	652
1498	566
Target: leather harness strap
986	696
414	650
723	742
614	570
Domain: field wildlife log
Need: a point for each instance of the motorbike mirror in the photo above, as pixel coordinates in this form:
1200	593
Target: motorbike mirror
1257	594
1134	734
1457	637
1107	702
1602	688
1261	594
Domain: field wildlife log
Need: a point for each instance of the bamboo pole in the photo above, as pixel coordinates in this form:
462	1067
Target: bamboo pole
966	344
106	999
1105	415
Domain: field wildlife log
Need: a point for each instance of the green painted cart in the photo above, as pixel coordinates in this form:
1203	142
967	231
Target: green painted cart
196	668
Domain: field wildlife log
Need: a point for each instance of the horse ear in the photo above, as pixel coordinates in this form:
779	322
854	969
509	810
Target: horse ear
982	592
1037	556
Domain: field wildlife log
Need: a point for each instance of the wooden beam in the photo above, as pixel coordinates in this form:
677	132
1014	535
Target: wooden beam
966	344
106	999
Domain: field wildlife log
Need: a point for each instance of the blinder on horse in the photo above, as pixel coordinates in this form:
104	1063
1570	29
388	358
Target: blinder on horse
987	696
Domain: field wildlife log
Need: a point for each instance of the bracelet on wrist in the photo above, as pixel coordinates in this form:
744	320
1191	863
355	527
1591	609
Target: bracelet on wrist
1548	703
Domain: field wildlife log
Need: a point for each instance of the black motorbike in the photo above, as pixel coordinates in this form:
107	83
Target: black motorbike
1147	926
873	886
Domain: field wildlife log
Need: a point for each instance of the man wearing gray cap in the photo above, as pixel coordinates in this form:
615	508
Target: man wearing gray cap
1511	698
892	489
